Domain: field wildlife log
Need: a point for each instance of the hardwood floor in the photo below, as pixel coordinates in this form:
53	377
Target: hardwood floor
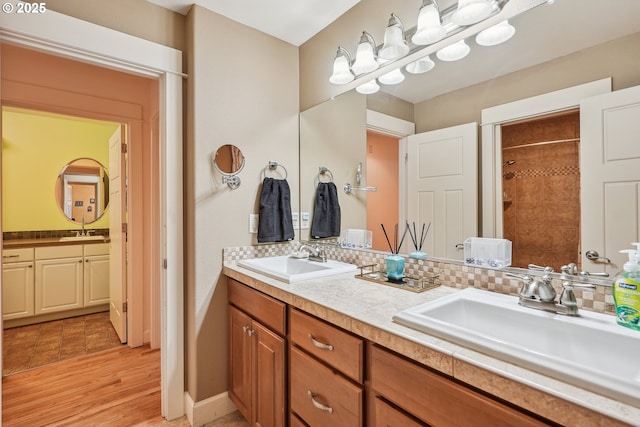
119	387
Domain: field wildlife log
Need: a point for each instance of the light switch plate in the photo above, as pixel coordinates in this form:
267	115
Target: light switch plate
295	219
253	223
305	219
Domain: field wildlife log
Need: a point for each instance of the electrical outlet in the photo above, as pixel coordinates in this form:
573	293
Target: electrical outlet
295	219
305	219
253	223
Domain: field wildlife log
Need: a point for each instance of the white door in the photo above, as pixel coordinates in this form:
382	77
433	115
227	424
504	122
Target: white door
117	233
610	177
442	187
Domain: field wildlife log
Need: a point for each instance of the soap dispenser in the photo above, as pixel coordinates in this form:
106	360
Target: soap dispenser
626	290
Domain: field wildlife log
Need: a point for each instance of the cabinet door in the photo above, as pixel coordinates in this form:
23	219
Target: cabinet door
240	390
58	285
269	377
17	290
96	280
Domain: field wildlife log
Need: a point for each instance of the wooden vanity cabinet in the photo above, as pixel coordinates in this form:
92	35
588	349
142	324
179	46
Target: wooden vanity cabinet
257	355
430	397
17	283
326	371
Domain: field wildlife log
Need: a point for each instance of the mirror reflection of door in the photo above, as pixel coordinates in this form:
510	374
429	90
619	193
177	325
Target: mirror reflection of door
83	196
82	190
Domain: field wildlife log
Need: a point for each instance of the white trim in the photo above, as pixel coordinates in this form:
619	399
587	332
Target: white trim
389	125
205	411
62	35
492	120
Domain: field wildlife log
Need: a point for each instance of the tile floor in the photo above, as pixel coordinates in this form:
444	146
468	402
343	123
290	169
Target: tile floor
31	346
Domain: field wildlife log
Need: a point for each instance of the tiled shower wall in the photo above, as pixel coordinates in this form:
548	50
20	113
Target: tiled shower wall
541	190
452	274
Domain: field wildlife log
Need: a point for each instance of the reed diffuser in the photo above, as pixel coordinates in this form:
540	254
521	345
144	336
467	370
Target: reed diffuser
394	262
418	243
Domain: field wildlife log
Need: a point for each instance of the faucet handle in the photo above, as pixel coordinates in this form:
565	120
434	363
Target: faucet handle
568	298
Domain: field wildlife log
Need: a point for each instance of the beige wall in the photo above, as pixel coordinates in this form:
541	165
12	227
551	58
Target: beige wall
138	18
241	90
618	59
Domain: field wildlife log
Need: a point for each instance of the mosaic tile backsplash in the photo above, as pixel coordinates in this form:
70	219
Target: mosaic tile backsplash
49	234
452	274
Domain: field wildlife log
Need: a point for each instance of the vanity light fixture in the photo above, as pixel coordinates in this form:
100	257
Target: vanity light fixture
421	65
434	27
429	29
395	44
342	67
471	12
366	56
392	77
496	34
368	88
454	52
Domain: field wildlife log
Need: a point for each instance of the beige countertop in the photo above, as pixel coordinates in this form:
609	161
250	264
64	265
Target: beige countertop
366	309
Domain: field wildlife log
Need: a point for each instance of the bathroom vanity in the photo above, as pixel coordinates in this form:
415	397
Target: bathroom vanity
47	279
348	363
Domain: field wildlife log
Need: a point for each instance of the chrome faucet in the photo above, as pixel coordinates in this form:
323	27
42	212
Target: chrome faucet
539	293
316	252
82	232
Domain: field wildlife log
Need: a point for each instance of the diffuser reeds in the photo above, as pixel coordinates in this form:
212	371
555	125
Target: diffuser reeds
395	249
418	243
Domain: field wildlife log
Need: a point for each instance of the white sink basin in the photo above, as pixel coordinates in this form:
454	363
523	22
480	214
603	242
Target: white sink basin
292	270
80	238
590	351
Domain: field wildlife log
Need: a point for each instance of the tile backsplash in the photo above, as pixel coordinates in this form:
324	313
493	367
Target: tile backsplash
48	234
452	274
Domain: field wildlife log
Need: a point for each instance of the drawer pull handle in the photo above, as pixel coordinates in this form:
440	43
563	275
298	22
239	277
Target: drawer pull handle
319	405
10	256
320	344
248	330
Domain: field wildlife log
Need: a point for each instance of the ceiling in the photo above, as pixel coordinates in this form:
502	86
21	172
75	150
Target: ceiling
542	34
294	21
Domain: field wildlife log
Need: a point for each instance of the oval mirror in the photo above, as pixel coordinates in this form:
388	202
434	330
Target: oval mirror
229	159
82	190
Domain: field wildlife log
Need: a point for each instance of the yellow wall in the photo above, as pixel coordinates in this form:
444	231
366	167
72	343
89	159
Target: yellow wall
35	148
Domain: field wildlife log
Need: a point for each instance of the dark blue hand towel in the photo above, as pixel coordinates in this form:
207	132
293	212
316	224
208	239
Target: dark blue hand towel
274	220
326	212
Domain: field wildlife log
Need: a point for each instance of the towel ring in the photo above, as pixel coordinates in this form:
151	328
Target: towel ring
272	166
322	171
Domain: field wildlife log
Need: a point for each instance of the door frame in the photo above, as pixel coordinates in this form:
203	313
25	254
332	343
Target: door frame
62	35
491	147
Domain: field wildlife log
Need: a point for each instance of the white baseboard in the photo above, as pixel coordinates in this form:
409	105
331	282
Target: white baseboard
200	413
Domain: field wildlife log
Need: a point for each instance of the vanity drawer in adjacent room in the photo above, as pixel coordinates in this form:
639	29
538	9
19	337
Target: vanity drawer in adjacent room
96	249
53	252
17	255
330	344
322	397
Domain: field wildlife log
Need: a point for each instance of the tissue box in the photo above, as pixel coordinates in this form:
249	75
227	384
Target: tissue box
355	238
486	252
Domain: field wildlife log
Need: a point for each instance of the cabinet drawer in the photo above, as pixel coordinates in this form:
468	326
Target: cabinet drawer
267	310
53	252
96	249
340	349
321	396
17	255
435	399
388	416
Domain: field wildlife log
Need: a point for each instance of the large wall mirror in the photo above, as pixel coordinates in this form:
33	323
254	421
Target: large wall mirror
82	190
452	94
